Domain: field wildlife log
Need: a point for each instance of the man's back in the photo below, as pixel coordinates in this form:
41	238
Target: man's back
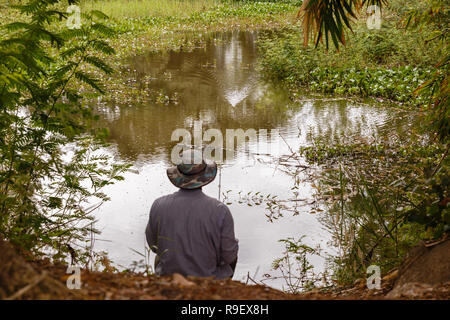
193	233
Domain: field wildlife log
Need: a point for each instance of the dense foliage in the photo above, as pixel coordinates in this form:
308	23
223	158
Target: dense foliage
385	196
330	18
285	59
50	172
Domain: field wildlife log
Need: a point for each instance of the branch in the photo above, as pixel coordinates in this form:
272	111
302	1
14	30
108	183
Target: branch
27	287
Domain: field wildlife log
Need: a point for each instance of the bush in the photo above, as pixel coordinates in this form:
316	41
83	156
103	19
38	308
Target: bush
285	59
50	168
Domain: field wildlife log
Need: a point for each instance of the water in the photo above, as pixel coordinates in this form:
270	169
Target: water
219	84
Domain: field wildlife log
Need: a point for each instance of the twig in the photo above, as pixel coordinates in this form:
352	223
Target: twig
27	287
254	281
290	149
440	162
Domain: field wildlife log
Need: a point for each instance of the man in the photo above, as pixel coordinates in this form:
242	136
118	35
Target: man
191	233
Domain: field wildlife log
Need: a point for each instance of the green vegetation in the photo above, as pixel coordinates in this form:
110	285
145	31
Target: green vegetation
51	173
174	24
154	25
200	10
118	9
396	62
382	197
295	266
375	63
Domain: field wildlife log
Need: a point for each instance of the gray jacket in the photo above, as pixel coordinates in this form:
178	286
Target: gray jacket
192	234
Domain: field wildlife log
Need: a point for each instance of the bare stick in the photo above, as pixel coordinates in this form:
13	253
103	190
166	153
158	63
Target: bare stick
27	287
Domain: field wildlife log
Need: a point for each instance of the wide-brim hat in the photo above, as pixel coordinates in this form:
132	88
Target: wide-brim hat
191	174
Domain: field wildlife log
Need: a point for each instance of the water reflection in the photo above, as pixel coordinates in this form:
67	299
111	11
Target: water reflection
217	84
220	86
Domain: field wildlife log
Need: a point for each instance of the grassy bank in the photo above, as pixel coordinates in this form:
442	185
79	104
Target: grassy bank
154	25
117	9
387	63
171	25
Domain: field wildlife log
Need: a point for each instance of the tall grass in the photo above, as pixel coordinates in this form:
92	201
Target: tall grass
149	8
382	199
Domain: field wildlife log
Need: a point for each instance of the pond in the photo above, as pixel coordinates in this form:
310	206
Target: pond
218	83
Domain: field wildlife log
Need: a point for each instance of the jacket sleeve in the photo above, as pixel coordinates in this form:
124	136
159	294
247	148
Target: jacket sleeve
151	231
228	243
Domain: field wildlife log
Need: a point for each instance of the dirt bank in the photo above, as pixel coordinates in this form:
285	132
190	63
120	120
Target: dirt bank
40	279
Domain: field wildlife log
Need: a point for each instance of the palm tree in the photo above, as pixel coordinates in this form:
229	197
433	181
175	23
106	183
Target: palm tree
330	17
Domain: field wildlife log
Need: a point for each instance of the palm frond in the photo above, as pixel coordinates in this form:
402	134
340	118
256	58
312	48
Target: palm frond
330	18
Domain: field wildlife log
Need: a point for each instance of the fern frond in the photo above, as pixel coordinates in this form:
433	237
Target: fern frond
62	71
98	63
103	29
102	46
98	14
87	79
72	51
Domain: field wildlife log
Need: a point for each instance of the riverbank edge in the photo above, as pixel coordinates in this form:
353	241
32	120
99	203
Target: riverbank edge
26	279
